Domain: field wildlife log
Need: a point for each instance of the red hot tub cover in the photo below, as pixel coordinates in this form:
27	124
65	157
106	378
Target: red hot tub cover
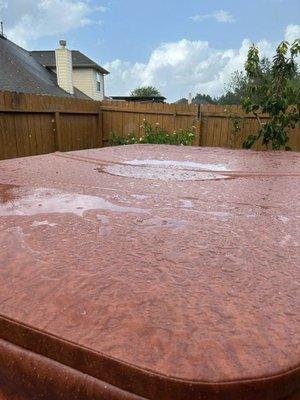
150	272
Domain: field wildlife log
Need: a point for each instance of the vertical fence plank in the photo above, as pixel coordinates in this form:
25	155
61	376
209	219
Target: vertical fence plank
99	130
56	131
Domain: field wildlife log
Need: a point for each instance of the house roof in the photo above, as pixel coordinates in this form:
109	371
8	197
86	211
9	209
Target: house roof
183	100
152	99
79	60
20	72
195	100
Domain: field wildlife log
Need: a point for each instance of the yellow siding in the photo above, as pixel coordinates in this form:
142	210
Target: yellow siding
85	80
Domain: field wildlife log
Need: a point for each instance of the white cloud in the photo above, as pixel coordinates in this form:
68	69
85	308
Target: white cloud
219	16
178	68
101	8
3	4
31	19
223	16
292	32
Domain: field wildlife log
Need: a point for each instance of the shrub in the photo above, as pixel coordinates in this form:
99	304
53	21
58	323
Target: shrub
117	140
155	134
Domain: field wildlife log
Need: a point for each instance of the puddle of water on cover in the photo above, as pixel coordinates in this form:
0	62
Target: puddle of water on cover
180	164
157	173
49	201
43	223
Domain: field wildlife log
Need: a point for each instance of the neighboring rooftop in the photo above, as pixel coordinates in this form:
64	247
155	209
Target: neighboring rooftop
182	101
79	60
20	72
195	100
151	99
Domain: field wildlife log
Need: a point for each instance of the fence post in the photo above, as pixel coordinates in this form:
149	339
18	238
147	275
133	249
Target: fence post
199	123
197	141
56	131
100	128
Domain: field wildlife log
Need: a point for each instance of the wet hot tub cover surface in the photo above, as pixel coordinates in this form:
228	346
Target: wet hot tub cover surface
154	272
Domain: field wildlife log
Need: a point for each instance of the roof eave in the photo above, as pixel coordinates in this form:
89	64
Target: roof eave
96	67
100	69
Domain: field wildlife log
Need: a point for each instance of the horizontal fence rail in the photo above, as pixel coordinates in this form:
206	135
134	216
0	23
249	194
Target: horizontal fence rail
38	124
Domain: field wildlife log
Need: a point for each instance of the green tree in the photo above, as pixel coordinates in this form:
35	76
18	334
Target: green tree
145	91
199	99
273	93
237	87
203	99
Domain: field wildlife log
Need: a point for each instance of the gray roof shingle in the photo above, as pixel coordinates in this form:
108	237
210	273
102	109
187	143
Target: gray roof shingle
79	60
20	72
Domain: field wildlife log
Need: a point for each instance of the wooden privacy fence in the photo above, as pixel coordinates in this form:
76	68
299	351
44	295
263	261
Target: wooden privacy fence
216	127
36	124
126	117
212	123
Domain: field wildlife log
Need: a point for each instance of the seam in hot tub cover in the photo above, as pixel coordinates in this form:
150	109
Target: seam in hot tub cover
141	382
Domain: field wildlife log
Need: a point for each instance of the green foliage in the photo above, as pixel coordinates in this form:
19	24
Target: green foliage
238	85
145	91
156	135
273	94
117	140
204	99
236	127
235	89
199	99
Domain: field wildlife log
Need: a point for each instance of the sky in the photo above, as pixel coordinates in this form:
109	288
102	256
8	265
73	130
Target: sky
177	46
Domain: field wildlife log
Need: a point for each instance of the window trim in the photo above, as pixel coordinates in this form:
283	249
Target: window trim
98	82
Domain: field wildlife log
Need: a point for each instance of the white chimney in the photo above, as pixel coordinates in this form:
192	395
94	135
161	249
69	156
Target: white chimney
190	99
63	60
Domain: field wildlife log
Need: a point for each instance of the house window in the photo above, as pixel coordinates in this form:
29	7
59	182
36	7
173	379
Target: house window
98	78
